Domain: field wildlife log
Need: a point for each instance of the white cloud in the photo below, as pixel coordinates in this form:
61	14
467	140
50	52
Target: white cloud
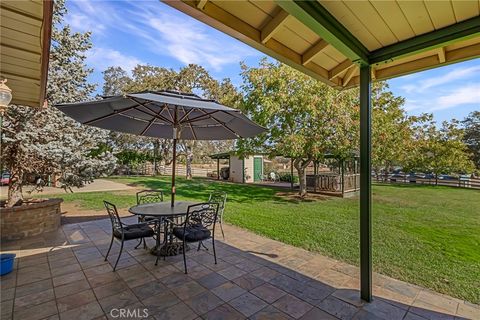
82	23
102	58
189	43
455	98
161	31
465	95
449	77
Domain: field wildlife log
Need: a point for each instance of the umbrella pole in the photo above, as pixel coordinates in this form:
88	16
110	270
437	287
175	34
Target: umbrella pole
173	171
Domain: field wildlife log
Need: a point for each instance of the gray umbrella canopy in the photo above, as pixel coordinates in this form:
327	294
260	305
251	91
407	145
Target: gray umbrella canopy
164	114
155	114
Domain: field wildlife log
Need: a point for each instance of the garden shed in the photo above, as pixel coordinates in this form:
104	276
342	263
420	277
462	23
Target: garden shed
246	169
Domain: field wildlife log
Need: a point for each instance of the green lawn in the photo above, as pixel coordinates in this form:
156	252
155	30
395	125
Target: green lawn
424	235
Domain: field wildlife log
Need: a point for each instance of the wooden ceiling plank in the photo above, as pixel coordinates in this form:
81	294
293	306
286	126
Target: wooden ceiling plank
441	13
417	16
464	10
313	51
338	70
246	11
394	18
369	17
274	25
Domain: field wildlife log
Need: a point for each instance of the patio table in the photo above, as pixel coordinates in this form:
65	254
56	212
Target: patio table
163	211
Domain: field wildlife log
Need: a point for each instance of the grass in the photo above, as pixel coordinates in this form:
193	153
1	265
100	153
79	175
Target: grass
424	235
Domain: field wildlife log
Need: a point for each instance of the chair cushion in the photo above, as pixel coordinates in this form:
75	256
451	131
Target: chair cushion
134	231
193	233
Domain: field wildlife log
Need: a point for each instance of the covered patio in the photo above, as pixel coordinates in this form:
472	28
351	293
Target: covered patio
344	44
351	43
64	275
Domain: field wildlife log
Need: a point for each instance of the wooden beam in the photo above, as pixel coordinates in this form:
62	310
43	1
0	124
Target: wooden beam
441	55
201	4
348	76
313	51
273	25
225	22
335	72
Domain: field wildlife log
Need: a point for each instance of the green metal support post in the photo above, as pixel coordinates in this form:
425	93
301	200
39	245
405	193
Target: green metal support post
365	184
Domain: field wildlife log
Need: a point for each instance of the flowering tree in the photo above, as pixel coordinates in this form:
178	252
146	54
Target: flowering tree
44	141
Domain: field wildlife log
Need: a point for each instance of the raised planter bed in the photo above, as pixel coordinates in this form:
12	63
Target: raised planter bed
30	219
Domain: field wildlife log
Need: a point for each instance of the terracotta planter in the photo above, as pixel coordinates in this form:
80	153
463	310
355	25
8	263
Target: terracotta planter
30	219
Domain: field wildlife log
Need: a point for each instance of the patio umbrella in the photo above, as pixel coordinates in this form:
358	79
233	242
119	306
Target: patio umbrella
164	114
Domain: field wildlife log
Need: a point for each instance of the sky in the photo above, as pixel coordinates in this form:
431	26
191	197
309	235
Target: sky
150	32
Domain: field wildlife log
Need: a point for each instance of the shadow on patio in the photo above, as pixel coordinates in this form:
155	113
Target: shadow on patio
64	274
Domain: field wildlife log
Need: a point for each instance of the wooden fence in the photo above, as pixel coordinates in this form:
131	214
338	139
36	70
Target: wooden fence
473	183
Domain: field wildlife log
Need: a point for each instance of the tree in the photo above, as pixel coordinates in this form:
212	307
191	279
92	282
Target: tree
44	141
115	80
305	118
392	131
189	79
471	138
442	150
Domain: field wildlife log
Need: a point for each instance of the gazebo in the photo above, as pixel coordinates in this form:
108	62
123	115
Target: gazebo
347	44
340	176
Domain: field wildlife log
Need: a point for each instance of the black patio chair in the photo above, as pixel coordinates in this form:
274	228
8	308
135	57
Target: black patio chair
219	197
148	196
198	226
125	232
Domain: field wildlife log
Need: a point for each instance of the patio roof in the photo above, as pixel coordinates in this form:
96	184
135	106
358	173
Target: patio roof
329	39
25	27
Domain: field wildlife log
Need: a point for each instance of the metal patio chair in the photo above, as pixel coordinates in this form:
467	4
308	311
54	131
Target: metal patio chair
124	232
148	196
219	197
198	226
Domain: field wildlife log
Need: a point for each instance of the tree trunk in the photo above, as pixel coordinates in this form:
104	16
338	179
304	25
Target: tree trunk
189	163
301	164
15	196
302	177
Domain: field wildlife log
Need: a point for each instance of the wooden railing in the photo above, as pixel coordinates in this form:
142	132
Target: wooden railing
333	182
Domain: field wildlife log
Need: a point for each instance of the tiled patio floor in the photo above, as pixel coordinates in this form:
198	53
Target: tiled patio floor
63	275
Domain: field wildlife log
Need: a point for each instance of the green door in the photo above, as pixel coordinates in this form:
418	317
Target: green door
257	169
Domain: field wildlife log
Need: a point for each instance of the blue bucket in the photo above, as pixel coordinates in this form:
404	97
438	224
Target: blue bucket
7	260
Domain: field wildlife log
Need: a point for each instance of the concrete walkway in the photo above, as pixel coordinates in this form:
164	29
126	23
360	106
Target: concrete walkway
97	185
